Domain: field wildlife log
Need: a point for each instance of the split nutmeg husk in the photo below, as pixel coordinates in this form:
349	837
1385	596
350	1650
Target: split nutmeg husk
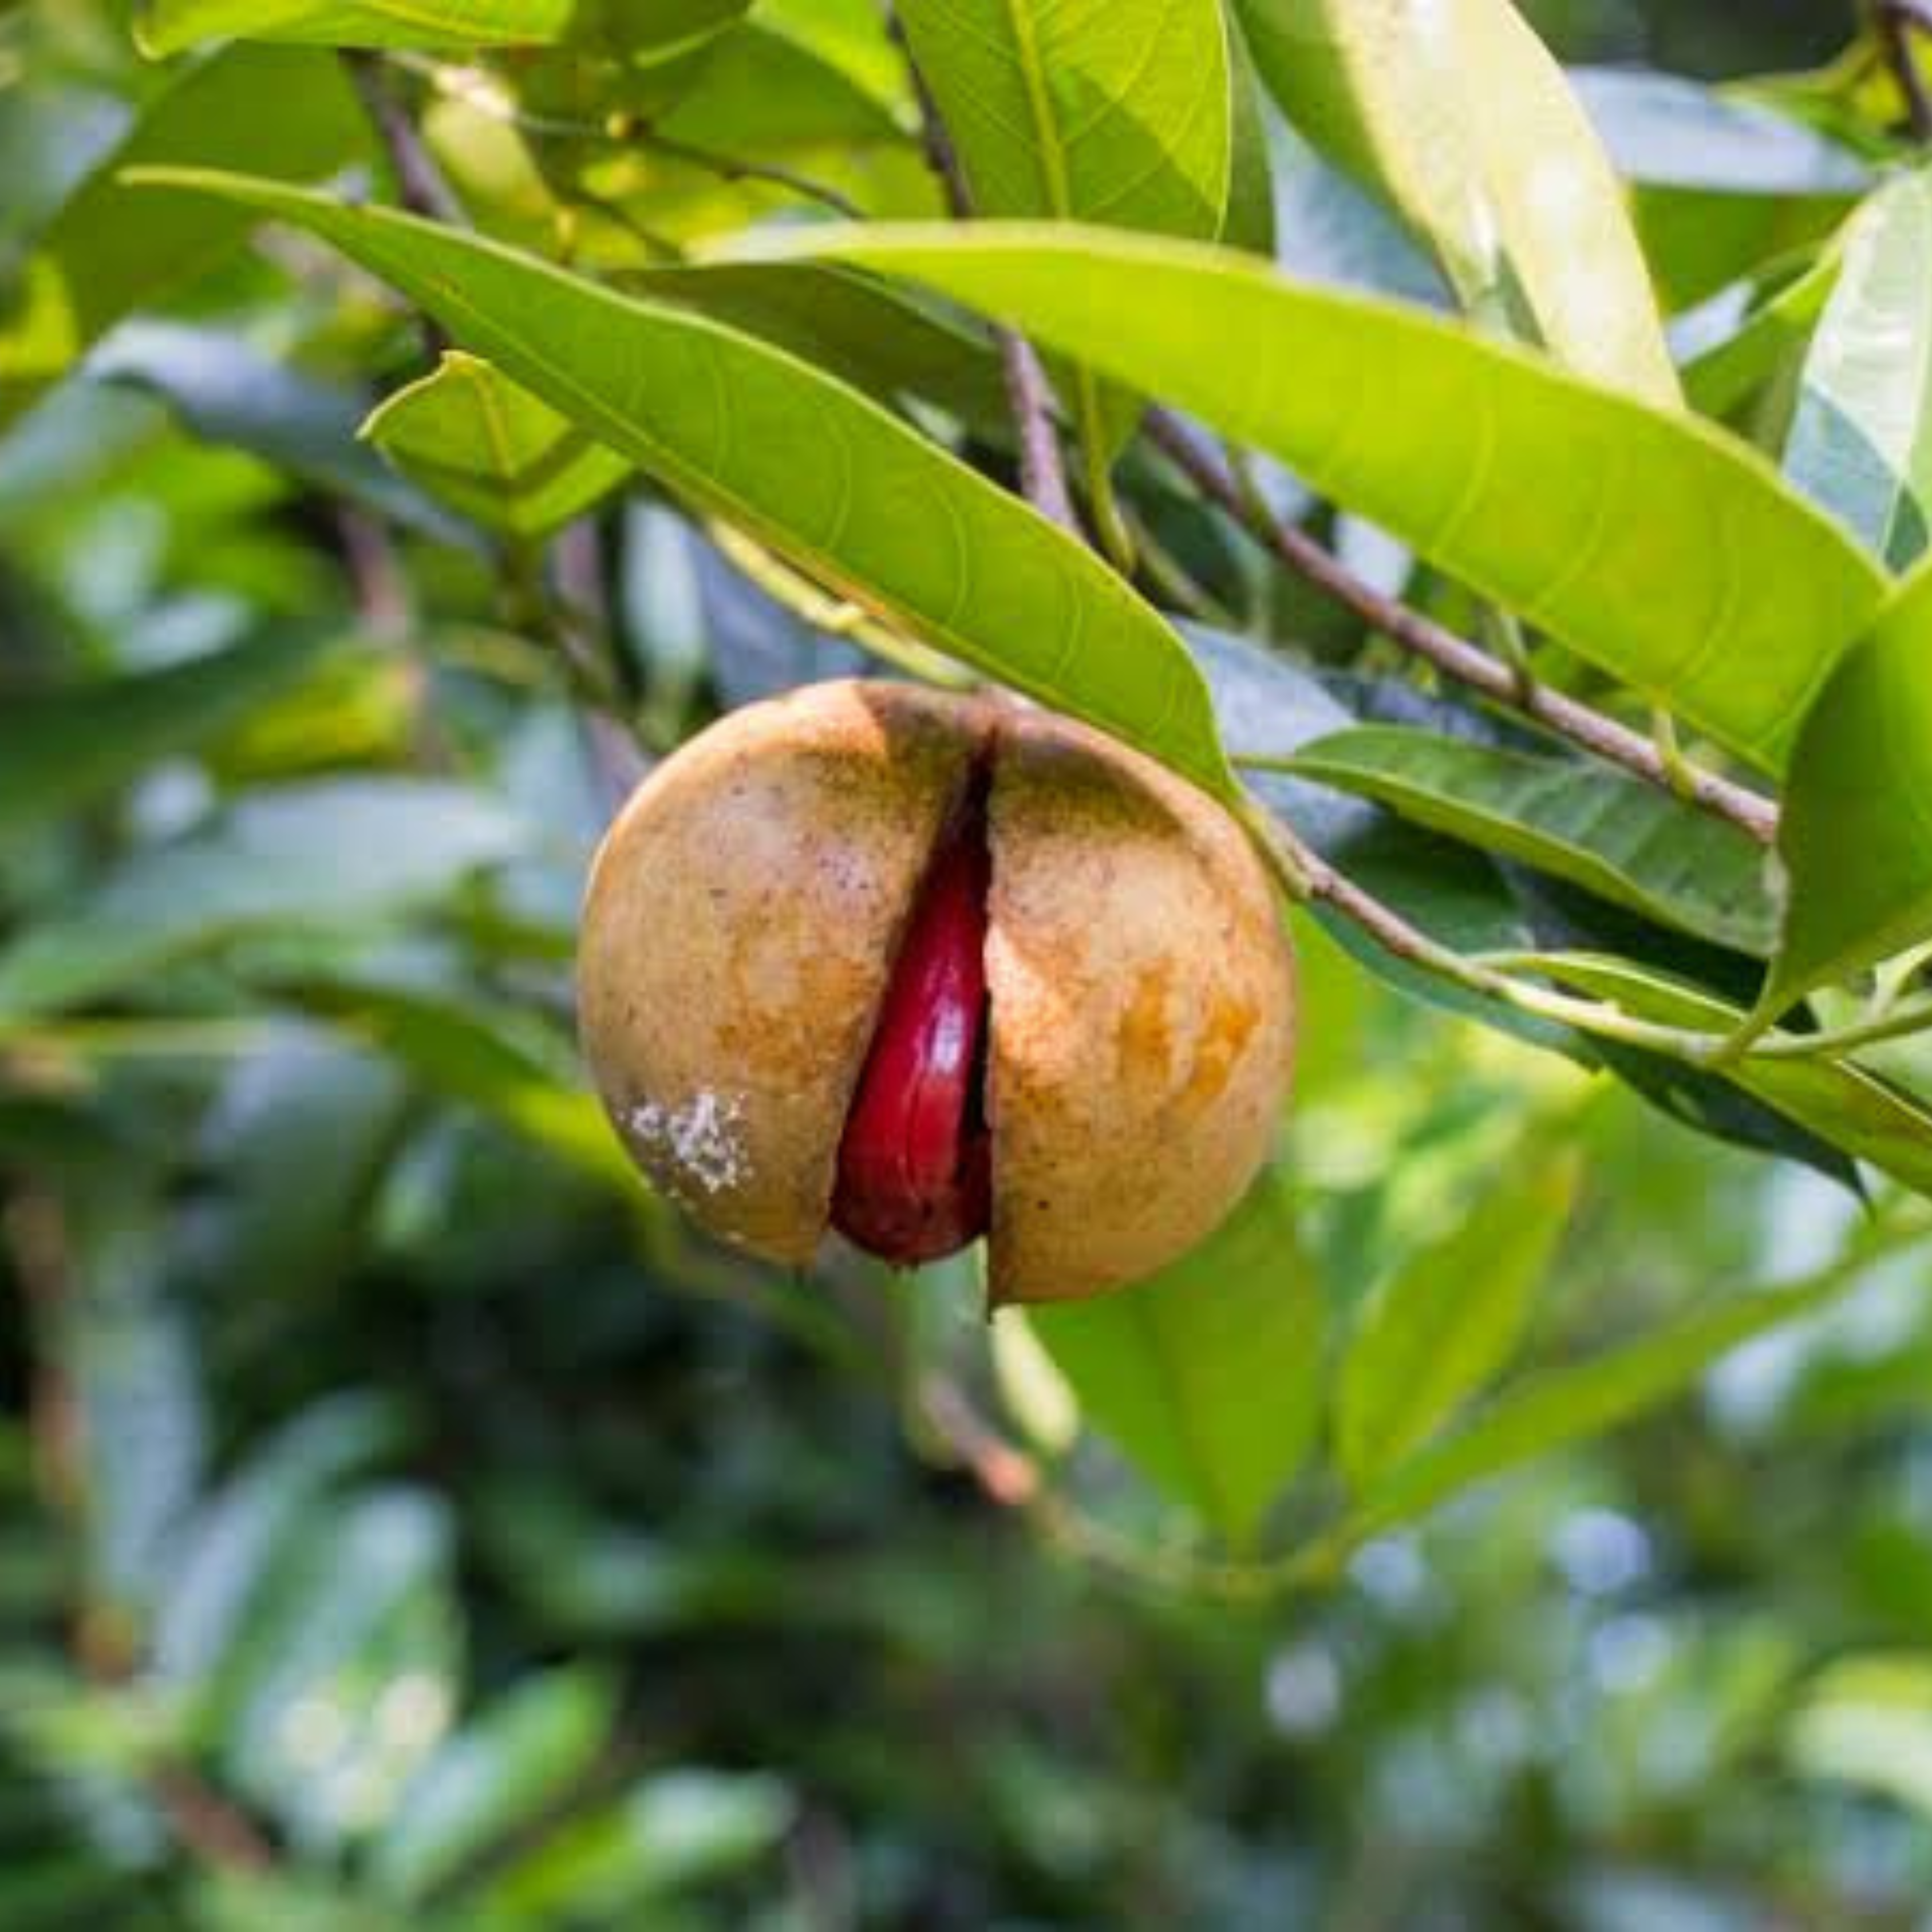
929	967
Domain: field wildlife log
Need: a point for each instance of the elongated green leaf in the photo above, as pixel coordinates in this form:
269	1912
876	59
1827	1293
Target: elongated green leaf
71	746
1722	378
1867	1117
1860	444
227	1547
1208	1376
1572	1404
469	434
331	852
840	487
852	325
106	250
498	1774
675	1828
1866	1721
1601	829
1856	832
1520	203
1122	114
1450	1316
343	1683
167	26
1650	543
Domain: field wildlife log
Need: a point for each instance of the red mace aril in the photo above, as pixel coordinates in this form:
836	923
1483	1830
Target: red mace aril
915	1166
928	968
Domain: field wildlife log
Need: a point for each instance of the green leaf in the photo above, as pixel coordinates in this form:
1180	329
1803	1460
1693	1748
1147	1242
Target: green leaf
1866	1721
1861	443
1651	543
343	1681
841	488
1601	829
1855	835
1122	114
75	744
332	852
493	1777
107	251
226	392
676	1829
1518	202
851	325
1721	379
1573	1403
226	1549
468	434
1208	1376
166	26
1866	1116
1451	1315
504	1061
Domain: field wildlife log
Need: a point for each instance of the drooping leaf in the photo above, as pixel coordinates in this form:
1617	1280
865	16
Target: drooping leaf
1855	834
842	488
1573	1403
1521	206
1861	443
73	744
496	1776
332	852
107	250
1602	829
1208	1376
165	27
1652	544
467	433
1867	1116
1452	1314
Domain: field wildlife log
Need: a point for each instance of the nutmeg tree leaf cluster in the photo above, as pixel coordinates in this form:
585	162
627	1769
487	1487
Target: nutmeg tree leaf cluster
882	613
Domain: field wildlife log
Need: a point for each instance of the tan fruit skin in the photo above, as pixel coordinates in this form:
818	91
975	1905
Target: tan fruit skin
744	913
1144	999
742	919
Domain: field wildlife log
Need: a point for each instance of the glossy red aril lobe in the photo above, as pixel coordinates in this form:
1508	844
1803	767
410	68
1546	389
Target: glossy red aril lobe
915	1179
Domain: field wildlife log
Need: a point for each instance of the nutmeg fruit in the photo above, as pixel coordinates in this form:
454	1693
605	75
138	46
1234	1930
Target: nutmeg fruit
926	968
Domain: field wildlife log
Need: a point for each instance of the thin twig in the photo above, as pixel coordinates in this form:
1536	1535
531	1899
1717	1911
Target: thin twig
1043	467
419	181
1455	657
476	90
1305	874
1899	23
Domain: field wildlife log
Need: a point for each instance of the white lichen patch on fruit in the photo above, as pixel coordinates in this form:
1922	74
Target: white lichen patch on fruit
701	1140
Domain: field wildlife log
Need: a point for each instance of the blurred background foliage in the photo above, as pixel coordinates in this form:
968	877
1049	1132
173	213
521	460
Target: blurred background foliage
407	1522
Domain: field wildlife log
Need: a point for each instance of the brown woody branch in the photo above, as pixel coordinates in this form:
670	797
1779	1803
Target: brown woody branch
1455	657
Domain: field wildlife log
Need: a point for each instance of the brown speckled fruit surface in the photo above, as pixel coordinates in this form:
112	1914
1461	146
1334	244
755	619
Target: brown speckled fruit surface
743	922
742	919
